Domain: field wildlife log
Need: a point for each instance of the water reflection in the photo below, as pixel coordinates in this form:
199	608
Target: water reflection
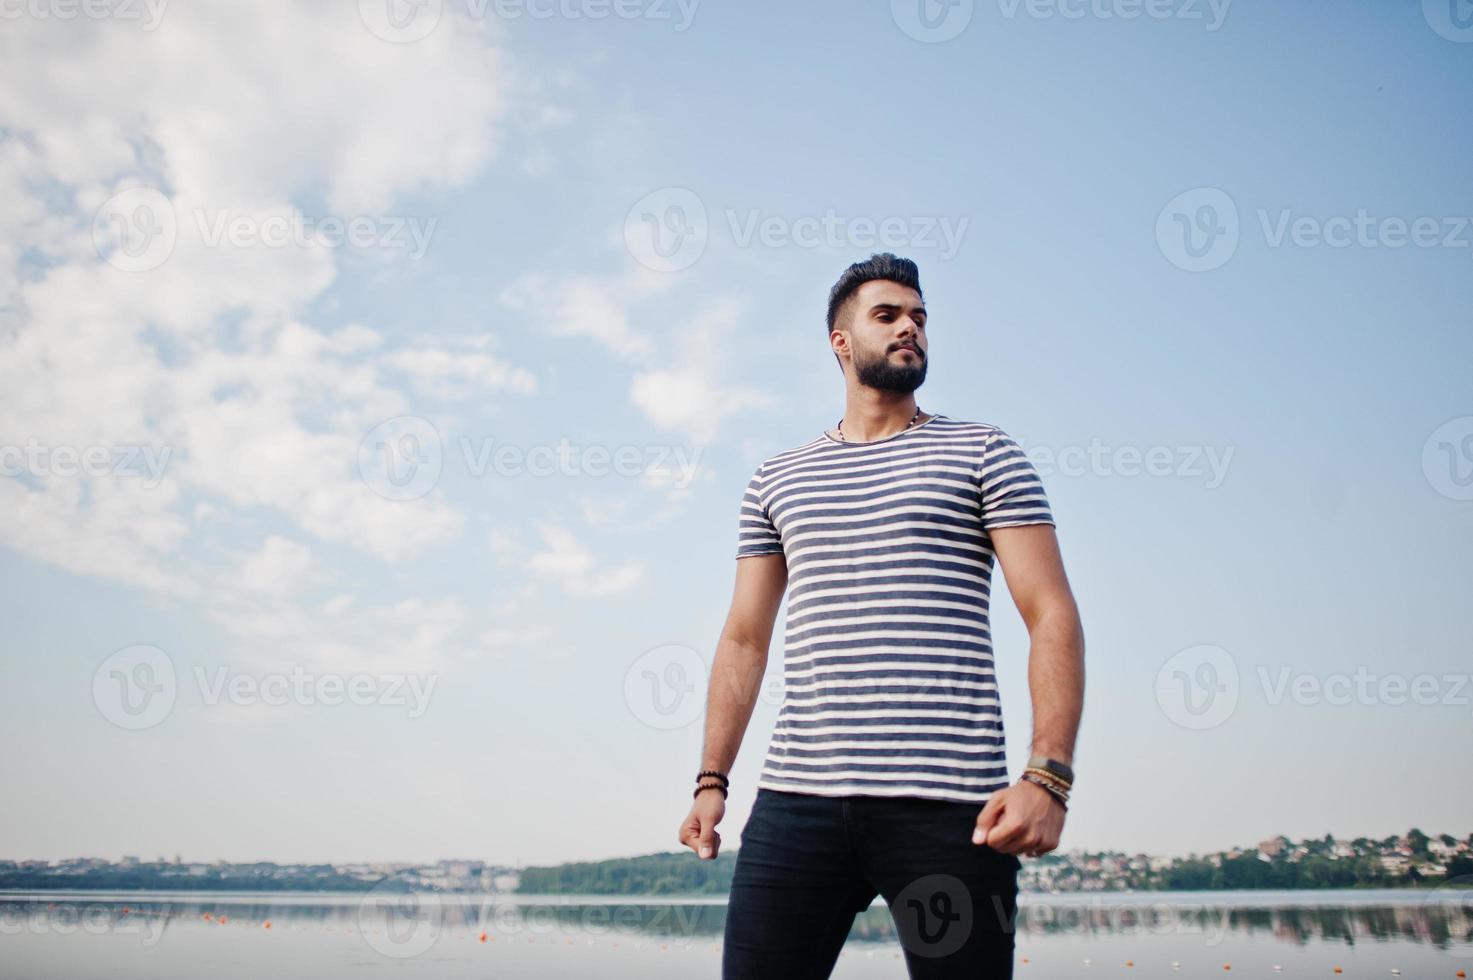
408	920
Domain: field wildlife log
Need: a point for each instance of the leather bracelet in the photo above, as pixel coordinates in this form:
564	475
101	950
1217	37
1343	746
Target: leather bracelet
712	772
1059	795
709	786
1050	778
1047	782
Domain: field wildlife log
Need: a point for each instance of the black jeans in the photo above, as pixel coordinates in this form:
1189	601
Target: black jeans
807	864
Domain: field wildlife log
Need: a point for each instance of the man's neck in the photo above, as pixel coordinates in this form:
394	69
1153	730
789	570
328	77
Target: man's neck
868	422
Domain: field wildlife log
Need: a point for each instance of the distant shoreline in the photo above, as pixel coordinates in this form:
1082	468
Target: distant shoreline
54	887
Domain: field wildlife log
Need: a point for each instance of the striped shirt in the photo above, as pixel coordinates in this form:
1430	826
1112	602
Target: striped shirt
888	669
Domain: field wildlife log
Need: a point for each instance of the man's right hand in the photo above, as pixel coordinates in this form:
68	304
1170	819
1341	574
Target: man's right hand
698	831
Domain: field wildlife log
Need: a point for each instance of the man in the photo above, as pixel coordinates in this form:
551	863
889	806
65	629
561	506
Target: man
886	772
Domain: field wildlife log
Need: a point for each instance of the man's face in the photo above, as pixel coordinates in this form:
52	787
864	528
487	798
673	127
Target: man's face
887	336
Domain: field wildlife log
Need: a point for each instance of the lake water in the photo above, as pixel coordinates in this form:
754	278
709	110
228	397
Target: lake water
183	936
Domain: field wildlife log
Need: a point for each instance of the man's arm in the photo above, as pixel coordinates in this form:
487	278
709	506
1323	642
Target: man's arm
736	678
741	656
1029	555
1025	818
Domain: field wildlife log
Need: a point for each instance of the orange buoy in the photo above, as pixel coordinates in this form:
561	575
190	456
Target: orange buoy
1338	970
482	937
1130	962
266	924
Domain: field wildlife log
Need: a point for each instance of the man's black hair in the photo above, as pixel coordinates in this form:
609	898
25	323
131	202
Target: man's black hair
882	265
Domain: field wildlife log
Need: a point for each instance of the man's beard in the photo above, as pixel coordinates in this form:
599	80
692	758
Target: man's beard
883	374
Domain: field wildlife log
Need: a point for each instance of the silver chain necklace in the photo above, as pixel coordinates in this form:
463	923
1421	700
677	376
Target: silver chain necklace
840	426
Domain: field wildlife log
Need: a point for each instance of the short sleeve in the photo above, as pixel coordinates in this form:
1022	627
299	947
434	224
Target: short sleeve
756	534
1010	489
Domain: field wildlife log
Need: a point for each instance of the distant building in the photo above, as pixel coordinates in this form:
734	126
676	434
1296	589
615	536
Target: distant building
1273	847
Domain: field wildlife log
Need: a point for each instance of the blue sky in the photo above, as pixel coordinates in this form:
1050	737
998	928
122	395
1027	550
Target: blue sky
1317	354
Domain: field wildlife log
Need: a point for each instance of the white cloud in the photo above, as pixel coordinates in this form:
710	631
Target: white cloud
225	108
596	308
563	561
279	567
459	373
409	635
690	396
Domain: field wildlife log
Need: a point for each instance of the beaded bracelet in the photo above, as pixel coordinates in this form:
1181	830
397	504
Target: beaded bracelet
712	772
709	786
1056	793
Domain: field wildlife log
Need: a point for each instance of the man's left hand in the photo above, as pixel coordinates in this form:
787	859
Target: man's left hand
1023	819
